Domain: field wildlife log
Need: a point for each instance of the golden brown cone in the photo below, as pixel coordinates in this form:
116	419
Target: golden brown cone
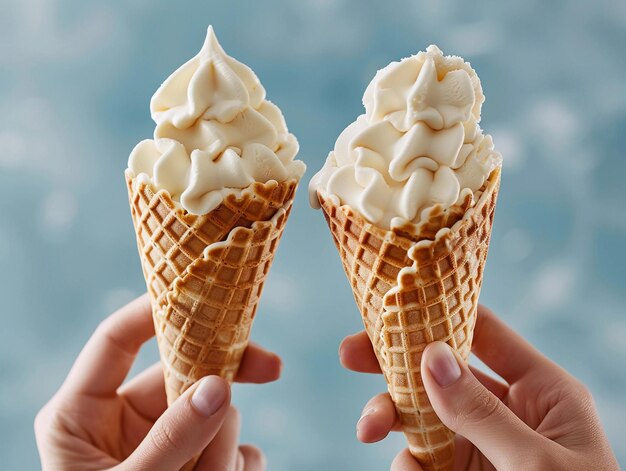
411	292
205	274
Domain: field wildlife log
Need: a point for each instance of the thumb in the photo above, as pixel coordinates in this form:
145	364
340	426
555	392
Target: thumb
465	406
185	428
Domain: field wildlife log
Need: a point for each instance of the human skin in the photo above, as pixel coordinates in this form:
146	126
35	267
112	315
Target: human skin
538	417
96	421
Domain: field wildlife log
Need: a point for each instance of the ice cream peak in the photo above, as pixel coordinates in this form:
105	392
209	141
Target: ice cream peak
417	145
216	133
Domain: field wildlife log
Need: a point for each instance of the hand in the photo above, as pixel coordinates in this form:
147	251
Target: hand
95	422
540	418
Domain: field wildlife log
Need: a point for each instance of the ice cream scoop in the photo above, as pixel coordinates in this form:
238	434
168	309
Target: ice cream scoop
216	134
418	145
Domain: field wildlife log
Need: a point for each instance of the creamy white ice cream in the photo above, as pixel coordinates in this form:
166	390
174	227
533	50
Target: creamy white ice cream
417	145
216	133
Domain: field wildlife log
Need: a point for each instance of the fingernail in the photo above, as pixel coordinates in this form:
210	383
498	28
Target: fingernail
365	413
442	364
210	395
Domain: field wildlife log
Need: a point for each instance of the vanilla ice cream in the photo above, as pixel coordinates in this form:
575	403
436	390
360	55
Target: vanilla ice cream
216	133
417	146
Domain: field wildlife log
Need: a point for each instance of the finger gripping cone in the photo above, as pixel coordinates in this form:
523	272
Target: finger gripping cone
205	274
413	288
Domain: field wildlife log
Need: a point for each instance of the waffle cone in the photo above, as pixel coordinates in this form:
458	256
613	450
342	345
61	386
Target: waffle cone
205	274
412	290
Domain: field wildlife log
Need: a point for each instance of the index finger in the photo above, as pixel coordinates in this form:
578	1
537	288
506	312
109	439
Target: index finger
503	350
357	354
258	365
109	354
146	391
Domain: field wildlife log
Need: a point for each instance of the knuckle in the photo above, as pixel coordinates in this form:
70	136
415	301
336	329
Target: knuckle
104	327
49	418
105	331
109	331
48	414
164	438
480	407
41	419
586	401
580	395
584	391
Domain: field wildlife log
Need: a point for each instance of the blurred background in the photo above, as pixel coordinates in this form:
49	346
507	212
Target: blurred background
76	78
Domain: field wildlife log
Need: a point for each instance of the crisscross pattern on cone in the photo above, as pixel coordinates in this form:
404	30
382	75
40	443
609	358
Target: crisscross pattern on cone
411	293
205	274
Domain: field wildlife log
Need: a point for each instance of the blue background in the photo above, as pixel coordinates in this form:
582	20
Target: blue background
76	78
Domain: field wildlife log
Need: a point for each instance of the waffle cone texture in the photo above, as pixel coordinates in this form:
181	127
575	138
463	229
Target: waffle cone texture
413	289
205	274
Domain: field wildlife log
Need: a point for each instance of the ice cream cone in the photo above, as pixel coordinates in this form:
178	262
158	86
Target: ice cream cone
205	274
209	196
413	289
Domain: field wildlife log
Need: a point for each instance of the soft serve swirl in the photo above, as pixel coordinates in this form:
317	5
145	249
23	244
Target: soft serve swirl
215	133
417	145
